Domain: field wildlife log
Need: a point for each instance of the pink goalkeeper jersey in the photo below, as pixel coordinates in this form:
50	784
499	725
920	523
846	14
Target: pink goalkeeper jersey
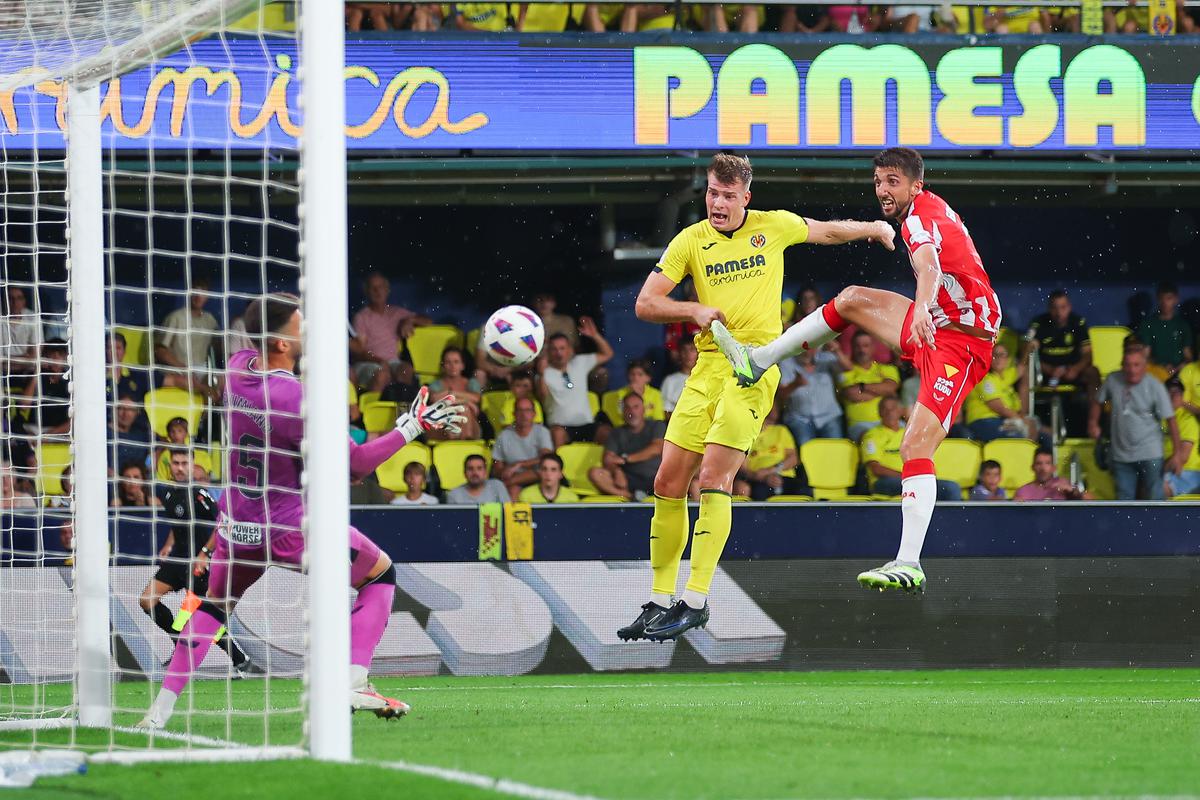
265	432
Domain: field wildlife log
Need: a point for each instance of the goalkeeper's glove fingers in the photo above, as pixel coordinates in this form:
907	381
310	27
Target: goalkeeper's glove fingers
421	417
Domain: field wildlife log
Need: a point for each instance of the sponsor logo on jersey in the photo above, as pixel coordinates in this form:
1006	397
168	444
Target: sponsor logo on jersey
242	533
735	270
942	388
951	371
758	240
707	246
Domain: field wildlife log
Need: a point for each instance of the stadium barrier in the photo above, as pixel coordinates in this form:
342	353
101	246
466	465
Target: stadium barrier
1038	585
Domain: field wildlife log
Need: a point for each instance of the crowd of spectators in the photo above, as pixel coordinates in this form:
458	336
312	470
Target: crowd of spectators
630	18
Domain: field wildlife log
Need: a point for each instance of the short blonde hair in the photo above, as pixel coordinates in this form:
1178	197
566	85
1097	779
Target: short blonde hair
728	168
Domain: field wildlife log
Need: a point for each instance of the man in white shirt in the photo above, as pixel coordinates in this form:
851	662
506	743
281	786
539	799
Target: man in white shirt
672	385
21	334
519	449
182	345
562	385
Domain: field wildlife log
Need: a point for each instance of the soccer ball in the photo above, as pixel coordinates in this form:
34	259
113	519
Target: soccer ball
513	336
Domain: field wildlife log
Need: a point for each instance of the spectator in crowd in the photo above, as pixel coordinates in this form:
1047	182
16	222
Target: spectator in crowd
367	492
1189	378
521	387
381	16
1017	19
562	386
236	337
481	16
722	19
863	384
638	375
133	489
478	489
675	333
543	17
770	466
632	453
49	395
454	380
1046	485
379	328
519	448
988	488
852	19
994	409
358	431
807	388
132	435
1187	479
414	479
20	334
1062	339
907	19
646	17
177	436
672	386
546	305
187	335
11	497
880	449
549	488
803	19
122	381
1168	336
1140	405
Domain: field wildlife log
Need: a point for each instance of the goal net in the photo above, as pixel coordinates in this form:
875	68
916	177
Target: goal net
152	185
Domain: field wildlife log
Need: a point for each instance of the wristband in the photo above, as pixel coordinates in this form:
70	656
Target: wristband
205	550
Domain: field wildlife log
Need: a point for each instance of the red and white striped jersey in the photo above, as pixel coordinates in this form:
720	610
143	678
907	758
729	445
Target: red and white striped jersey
966	295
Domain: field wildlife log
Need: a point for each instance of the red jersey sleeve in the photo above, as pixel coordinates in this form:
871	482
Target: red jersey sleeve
920	226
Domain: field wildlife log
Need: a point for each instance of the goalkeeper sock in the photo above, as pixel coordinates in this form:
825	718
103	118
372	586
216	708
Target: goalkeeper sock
818	328
192	646
164	619
369	618
668	536
708	541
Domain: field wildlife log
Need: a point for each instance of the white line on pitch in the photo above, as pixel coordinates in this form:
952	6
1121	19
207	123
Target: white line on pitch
784	685
485	782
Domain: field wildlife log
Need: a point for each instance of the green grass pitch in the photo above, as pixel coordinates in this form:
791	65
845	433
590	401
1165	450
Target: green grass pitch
749	736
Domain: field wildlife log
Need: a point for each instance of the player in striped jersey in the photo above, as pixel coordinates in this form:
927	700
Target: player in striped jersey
947	333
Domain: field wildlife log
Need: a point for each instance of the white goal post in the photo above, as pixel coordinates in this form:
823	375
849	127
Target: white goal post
80	45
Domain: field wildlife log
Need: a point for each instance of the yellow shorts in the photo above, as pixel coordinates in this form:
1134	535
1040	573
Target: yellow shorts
713	409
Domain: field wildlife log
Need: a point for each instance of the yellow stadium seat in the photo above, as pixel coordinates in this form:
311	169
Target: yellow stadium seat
739	498
52	461
1187	498
391	472
497	406
167	403
472	340
380	417
594	403
831	465
1099	482
1108	347
271	17
425	348
135	345
367	399
603	498
789	498
1011	341
1016	461
216	460
958	460
846	498
610	404
886	498
449	457
578	458
787	310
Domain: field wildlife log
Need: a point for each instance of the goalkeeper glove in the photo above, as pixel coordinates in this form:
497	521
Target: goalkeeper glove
444	415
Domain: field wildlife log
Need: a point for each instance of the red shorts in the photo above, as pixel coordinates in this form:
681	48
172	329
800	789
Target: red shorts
949	372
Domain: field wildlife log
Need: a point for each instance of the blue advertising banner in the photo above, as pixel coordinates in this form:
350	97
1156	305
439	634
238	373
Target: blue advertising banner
509	92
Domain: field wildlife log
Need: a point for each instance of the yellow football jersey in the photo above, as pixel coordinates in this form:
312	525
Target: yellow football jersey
994	386
1189	431
741	273
882	444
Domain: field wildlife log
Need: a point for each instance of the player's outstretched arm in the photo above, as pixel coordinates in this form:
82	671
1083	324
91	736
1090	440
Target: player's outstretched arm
446	414
843	231
655	305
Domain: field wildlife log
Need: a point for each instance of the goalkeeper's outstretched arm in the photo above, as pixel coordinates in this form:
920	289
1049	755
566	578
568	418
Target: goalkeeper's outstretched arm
446	414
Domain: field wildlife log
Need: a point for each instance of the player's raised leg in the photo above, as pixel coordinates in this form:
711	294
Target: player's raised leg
879	312
374	575
668	534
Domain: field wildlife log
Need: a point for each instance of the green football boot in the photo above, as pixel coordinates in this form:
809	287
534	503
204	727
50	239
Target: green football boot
738	355
907	577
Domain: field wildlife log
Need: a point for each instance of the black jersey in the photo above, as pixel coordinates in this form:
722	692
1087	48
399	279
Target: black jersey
194	515
1060	347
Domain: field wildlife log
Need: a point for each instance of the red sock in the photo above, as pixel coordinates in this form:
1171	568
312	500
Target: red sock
917	466
832	318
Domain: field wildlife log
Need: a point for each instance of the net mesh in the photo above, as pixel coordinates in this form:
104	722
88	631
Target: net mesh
199	132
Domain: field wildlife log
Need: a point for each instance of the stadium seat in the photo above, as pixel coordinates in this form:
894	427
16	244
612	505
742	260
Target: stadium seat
603	498
786	310
449	457
380	417
594	403
848	498
578	458
1187	498
425	348
367	399
52	460
886	498
958	460
163	405
216	463
135	345
831	465
1108	347
1016	461
789	498
497	406
610	404
391	472
472	341
1099	482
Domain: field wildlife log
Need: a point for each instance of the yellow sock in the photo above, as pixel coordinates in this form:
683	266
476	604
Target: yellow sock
668	535
708	540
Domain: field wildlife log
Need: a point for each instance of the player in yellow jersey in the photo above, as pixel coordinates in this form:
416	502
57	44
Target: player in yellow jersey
735	258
